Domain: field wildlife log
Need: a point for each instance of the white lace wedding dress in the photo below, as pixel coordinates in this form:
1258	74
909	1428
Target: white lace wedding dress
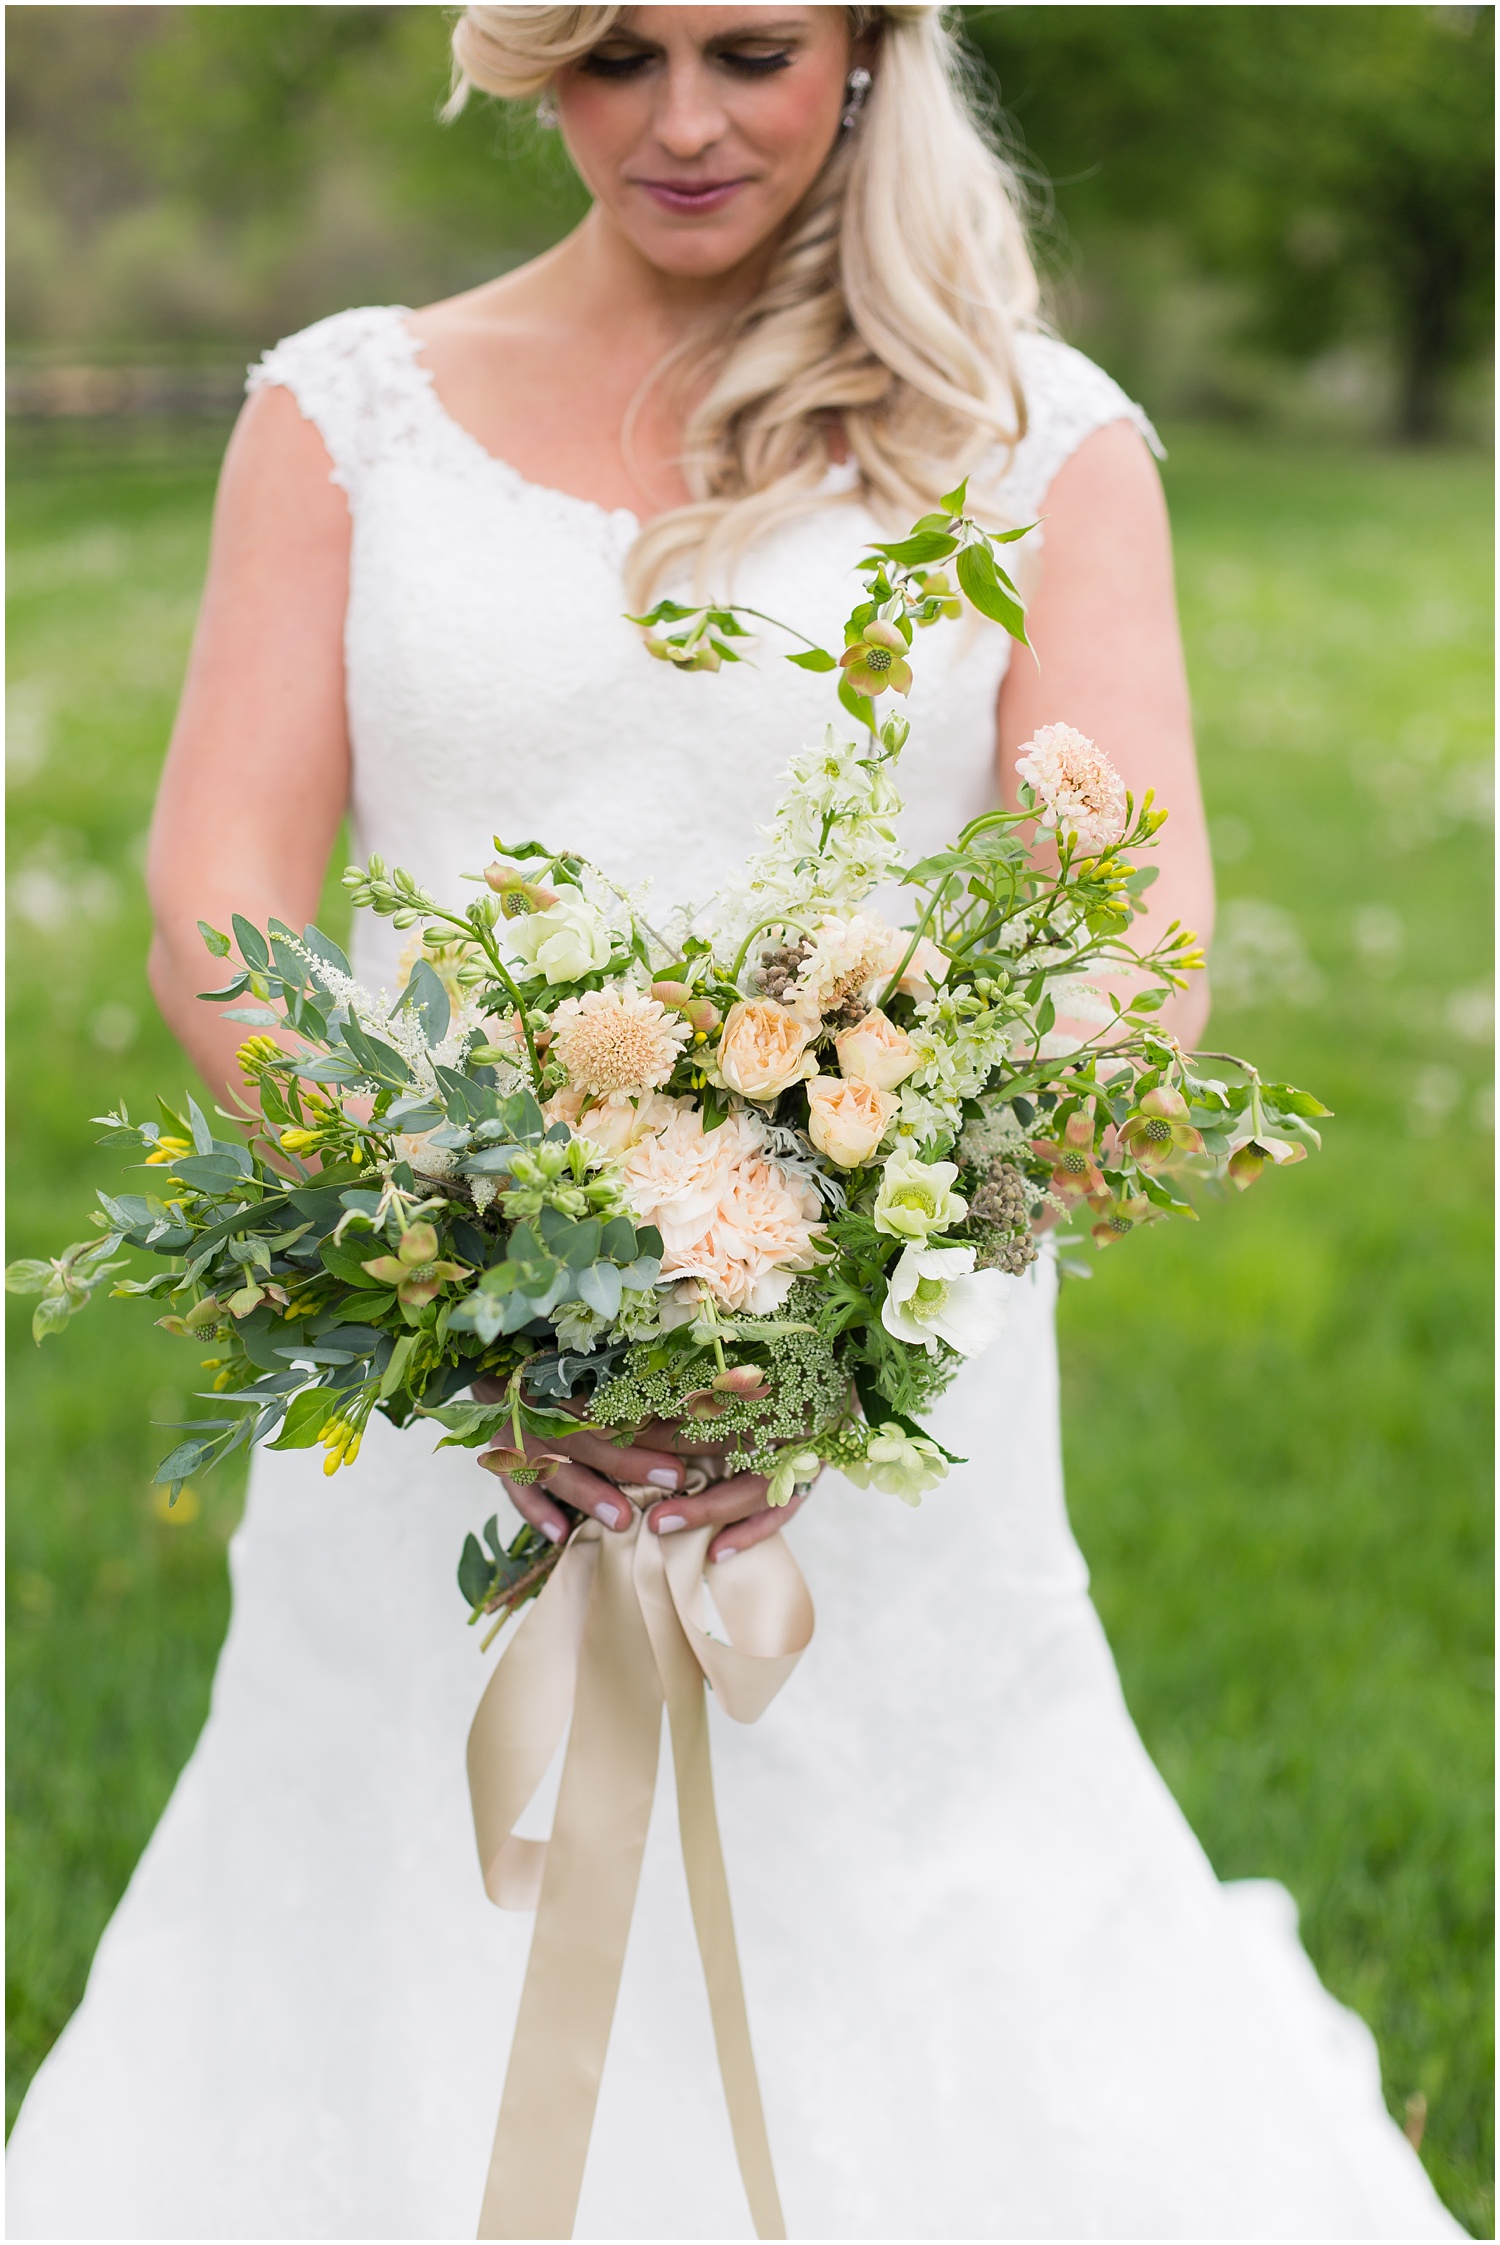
995	1988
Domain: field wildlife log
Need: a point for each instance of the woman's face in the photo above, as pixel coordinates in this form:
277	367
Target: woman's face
700	129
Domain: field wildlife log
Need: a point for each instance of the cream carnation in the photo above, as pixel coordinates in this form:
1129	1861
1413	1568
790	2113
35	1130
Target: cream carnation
1080	790
616	1124
733	1226
616	1040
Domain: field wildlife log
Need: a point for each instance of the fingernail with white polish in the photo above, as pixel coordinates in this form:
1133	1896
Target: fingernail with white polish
668	1522
608	1513
552	1531
663	1477
721	1556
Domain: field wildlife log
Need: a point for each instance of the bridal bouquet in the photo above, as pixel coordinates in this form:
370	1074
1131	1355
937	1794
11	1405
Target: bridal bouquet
773	1165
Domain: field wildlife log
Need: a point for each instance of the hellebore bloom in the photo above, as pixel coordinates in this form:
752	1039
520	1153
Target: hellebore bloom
1251	1154
415	1270
877	659
1159	1130
1074	1169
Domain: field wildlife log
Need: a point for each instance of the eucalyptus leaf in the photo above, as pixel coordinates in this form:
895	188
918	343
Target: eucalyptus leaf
252	944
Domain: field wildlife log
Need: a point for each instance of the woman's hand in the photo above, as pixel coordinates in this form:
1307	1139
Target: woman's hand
588	1469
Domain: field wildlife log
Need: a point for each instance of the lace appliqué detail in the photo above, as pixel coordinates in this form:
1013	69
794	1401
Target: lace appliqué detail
1067	399
358	376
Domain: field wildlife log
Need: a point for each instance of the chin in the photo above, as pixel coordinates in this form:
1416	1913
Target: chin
700	249
699	260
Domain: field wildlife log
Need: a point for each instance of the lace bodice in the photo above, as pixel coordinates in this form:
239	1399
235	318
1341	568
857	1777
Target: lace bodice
495	688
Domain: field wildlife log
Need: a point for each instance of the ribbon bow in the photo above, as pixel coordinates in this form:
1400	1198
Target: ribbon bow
618	1632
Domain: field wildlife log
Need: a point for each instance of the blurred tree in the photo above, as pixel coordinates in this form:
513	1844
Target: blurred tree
225	173
1336	161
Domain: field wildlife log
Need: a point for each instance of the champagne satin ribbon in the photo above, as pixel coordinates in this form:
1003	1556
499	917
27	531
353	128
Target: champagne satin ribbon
618	1632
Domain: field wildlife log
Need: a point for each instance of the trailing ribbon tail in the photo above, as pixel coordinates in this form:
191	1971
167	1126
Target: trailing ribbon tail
618	1632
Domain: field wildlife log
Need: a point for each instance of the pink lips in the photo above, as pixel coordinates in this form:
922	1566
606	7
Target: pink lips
689	197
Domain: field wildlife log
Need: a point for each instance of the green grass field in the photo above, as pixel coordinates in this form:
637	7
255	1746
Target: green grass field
1276	1425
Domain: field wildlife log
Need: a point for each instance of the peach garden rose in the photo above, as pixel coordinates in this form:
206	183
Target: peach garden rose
847	1118
763	1049
876	1052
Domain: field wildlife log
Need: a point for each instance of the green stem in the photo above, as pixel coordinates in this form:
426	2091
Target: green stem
917	934
476	934
780	920
1231	1060
735	609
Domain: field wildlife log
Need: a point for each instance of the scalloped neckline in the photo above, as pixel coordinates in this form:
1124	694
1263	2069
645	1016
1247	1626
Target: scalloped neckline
521	483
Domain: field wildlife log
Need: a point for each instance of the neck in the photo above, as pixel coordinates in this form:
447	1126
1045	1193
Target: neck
612	289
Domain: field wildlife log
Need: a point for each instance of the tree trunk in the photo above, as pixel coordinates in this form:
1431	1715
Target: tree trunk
1428	281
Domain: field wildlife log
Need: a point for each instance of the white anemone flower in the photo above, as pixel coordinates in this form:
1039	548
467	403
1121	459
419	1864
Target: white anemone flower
935	1294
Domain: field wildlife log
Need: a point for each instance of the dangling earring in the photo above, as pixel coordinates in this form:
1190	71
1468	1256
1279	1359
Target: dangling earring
546	112
857	89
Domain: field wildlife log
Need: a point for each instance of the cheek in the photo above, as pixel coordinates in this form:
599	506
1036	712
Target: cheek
795	125
603	123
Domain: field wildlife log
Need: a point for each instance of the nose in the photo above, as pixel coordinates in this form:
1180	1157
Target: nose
688	117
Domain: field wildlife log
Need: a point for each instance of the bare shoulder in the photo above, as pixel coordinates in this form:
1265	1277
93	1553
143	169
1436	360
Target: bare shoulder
277	469
509	304
1110	481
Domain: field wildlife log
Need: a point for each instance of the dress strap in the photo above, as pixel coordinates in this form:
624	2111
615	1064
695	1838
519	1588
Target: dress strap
357	378
1067	399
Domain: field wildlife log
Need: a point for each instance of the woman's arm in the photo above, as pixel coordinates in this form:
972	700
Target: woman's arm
257	774
1103	623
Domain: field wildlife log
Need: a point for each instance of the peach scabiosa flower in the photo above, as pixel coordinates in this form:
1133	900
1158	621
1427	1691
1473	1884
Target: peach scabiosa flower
616	1040
1080	791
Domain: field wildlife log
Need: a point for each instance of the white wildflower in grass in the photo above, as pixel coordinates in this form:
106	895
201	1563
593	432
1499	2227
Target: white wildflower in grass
898	1464
615	1041
1081	792
935	1294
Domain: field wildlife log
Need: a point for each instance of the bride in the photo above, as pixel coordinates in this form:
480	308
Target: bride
994	1986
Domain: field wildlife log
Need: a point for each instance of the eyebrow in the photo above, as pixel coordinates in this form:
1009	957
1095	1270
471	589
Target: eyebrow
780	28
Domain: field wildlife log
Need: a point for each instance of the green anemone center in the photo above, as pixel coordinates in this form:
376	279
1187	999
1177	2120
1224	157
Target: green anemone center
877	658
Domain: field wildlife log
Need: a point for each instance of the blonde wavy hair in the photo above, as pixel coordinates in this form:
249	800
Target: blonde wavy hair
889	312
